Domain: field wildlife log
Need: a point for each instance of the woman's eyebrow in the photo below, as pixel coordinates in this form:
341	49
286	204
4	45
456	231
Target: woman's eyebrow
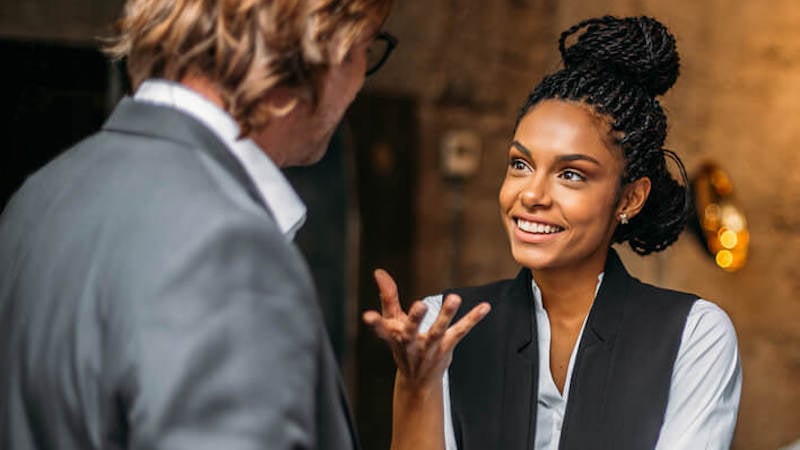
560	158
577	157
521	148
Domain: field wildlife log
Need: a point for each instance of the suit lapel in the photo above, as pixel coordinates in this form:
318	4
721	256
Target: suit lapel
160	122
590	375
522	367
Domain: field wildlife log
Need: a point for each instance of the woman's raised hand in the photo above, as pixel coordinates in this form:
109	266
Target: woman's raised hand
421	358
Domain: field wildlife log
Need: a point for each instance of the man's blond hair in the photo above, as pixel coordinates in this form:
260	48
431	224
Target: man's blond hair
245	47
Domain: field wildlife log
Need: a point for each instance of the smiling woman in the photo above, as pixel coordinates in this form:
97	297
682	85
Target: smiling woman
575	353
562	194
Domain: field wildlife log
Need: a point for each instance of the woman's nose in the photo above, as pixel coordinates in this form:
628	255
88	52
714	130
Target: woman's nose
534	194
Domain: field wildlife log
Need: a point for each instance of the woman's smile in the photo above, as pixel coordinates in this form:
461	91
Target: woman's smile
537	227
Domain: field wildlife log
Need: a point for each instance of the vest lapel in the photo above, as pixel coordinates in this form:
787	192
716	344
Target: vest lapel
493	376
620	382
587	395
521	387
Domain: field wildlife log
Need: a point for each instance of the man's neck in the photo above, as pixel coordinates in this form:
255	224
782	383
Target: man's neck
269	137
204	87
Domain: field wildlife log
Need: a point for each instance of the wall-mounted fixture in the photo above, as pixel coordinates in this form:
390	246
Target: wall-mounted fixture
460	154
721	224
459	160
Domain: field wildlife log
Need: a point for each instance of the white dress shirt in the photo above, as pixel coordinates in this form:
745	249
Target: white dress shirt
704	392
279	196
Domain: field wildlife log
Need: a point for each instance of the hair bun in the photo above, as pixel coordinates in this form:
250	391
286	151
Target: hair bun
638	49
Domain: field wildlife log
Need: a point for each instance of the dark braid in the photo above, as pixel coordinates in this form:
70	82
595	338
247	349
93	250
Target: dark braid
618	67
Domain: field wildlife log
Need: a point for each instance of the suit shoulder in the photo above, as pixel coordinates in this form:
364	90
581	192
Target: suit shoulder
165	178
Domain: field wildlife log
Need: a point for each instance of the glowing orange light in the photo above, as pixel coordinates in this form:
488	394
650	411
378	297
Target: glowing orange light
724	259
722	222
728	238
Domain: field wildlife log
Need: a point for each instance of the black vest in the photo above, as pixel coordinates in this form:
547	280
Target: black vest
620	381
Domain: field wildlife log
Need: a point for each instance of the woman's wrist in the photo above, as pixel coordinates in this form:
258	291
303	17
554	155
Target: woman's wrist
418	414
420	390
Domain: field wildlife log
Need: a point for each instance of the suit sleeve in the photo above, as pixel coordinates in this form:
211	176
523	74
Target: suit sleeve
706	384
224	346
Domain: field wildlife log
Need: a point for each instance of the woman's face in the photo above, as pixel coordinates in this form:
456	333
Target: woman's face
561	197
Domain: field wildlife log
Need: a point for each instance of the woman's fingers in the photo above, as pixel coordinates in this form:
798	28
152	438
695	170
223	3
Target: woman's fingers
418	355
403	330
375	320
406	327
390	301
415	315
450	305
460	329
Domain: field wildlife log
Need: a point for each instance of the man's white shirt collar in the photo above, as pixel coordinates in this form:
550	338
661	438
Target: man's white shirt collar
279	196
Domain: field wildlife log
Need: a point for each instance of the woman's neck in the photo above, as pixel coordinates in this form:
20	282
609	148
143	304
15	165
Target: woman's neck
567	294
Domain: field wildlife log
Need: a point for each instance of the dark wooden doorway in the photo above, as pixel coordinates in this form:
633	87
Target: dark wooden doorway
384	137
55	95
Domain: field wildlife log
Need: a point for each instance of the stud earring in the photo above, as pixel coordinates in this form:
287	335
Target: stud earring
623	218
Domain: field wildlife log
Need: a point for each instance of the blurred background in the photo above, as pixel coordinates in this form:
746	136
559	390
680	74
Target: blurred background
411	181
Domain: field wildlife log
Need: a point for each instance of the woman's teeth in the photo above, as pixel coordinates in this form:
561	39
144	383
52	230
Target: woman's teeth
539	228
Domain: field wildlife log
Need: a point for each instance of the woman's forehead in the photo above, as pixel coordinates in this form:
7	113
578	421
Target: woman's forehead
565	125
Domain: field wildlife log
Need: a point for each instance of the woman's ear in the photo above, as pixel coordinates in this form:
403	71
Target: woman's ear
634	195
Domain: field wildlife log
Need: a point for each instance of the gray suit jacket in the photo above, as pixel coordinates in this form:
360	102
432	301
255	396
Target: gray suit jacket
149	301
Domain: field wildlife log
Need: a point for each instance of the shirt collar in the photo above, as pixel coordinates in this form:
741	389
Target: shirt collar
279	196
537	293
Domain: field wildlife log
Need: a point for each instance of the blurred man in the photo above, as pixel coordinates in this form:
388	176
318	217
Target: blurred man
150	293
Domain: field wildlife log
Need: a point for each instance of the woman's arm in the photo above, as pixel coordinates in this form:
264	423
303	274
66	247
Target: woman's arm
421	358
706	383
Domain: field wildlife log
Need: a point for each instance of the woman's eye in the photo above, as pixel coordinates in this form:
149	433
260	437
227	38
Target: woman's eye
517	164
571	175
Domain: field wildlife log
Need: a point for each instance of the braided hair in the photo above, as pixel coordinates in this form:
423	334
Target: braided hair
618	67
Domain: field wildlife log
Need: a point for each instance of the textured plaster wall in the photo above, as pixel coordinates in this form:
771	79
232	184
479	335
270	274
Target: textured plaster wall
471	63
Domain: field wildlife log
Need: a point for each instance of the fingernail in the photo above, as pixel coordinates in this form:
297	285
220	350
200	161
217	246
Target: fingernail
453	299
484	309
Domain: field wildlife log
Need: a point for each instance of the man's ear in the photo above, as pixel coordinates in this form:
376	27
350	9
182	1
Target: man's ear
280	101
634	195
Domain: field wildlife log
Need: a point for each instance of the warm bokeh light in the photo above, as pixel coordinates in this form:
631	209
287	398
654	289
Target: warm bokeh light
728	238
723	223
730	248
721	182
731	216
711	217
724	259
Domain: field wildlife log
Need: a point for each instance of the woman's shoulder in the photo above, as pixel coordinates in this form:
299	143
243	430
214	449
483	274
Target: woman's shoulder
701	312
709	321
662	293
